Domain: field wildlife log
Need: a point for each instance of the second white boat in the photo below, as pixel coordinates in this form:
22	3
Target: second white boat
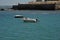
29	20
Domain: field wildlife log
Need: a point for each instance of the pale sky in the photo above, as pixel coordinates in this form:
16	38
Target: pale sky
13	2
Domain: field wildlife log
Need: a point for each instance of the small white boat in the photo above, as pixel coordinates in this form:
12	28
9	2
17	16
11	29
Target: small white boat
18	16
29	20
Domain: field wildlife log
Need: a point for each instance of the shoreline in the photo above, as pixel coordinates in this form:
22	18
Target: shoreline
27	10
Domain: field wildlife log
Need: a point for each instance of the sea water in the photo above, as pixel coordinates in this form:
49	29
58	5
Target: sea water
47	28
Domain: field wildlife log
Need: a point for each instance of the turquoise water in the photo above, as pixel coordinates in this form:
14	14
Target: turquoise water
48	27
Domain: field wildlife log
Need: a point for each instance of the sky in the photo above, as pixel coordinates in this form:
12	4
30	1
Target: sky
13	2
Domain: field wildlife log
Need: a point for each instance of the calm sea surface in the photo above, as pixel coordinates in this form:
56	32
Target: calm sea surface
48	27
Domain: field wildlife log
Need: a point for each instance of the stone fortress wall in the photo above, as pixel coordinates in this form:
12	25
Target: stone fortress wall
57	2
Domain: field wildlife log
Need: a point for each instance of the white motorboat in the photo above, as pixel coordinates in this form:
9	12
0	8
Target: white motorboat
29	20
18	16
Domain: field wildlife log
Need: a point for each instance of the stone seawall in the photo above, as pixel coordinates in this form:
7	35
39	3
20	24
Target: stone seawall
57	6
57	3
34	7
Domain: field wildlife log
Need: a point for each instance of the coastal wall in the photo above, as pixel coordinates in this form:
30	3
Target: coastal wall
34	7
57	3
57	6
46	2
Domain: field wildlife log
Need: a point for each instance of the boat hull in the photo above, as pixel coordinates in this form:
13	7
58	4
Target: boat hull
30	21
18	16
